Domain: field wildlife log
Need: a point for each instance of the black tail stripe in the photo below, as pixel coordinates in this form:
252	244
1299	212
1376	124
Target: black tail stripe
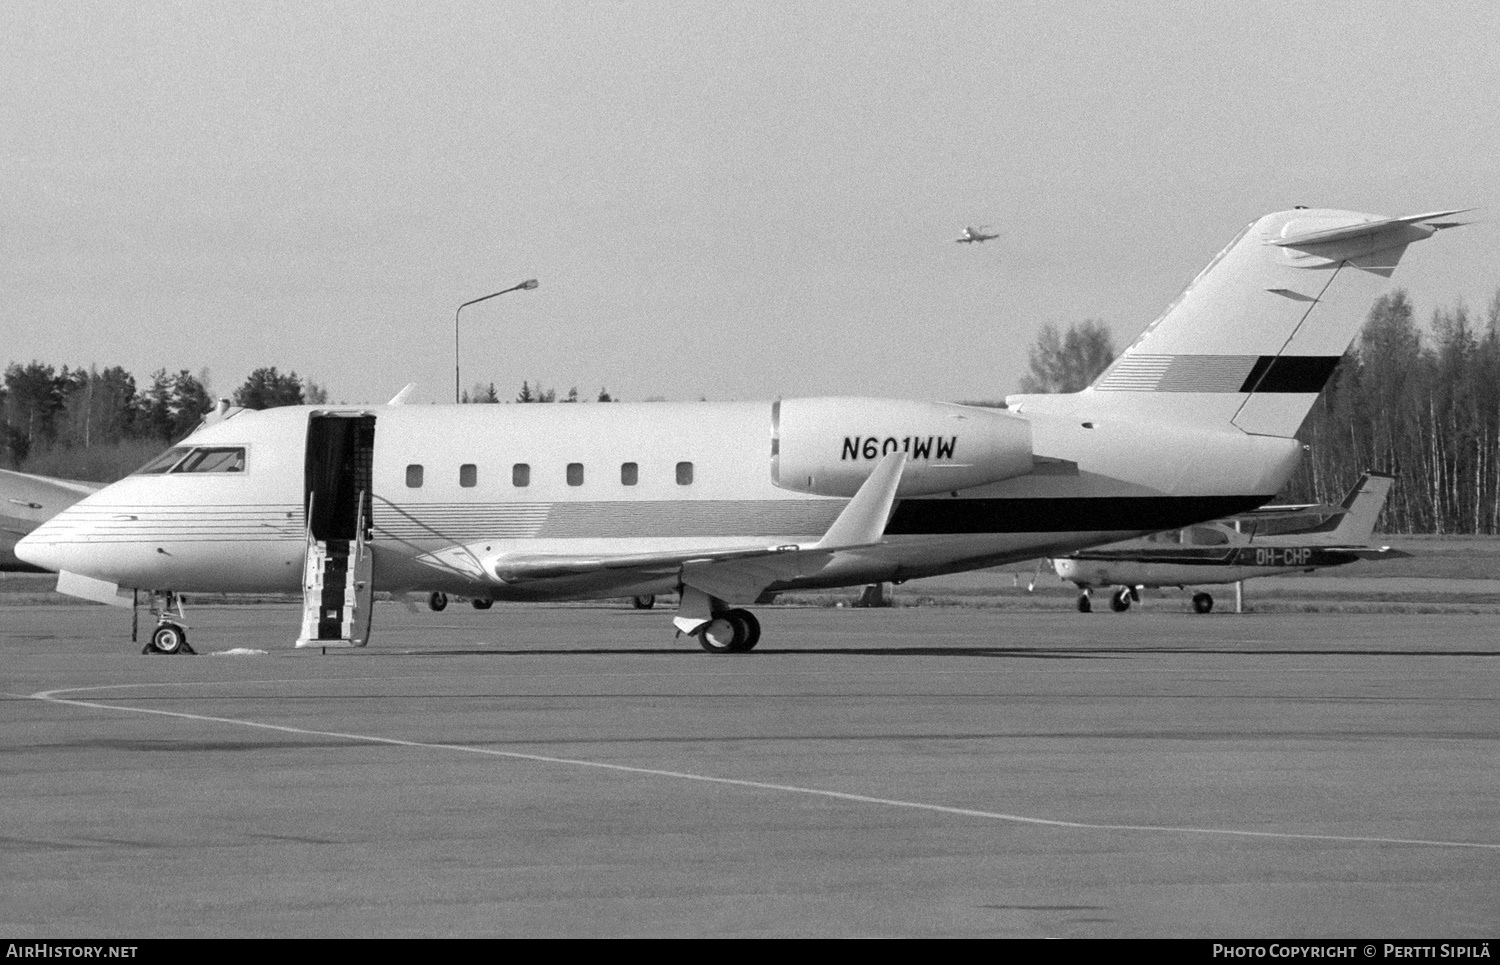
1061	515
1290	373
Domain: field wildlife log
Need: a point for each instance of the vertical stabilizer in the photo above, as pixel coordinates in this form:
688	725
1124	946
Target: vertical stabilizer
1362	508
1254	338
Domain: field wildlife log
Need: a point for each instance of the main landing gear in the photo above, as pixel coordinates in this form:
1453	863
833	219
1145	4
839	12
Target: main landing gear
1120	601
730	631
170	635
1203	603
1085	605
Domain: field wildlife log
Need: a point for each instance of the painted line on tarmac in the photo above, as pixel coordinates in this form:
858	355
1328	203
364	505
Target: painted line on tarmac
49	696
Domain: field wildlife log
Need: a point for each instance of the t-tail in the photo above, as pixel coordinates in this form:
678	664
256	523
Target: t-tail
1362	507
1253	339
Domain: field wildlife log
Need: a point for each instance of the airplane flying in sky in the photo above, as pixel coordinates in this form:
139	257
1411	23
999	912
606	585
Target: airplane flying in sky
728	502
1217	552
27	501
972	234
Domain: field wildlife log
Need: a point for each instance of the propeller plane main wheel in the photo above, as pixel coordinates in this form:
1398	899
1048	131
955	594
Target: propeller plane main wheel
1120	602
645	602
437	602
1085	605
481	603
1203	603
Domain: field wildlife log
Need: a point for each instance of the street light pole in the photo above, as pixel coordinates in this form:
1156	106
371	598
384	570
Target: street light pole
526	285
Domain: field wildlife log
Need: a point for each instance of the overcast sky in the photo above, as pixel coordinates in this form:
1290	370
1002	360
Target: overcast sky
724	200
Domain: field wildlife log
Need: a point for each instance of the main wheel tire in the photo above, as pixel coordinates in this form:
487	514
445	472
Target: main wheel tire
643	602
169	638
720	635
480	603
1120	601
1085	605
1203	603
750	627
437	602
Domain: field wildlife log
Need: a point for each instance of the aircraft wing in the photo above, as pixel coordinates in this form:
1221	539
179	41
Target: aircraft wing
1289	511
732	574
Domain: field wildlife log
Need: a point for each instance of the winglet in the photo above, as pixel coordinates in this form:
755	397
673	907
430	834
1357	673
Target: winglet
862	522
400	397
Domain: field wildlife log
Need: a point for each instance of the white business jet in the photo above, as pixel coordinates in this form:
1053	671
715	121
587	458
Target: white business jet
728	502
1221	552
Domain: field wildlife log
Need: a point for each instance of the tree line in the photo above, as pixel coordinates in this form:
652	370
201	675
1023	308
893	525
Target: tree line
1421	405
99	424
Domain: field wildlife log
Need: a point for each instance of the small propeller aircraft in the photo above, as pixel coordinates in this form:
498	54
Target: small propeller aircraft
980	234
730	503
1228	551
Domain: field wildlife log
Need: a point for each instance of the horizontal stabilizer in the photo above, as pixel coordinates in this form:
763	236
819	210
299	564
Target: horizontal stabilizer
1372	552
1297	239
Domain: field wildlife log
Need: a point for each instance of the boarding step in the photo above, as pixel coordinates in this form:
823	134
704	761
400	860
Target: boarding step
336	594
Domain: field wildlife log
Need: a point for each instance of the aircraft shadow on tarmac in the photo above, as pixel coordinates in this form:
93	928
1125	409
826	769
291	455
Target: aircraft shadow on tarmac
1032	653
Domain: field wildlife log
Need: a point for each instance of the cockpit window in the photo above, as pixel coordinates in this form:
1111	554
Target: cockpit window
163	462
201	459
217	459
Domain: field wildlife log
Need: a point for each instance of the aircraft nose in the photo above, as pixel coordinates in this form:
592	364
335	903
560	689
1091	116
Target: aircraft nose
35	548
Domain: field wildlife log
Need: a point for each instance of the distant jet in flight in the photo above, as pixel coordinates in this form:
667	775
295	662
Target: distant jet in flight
972	235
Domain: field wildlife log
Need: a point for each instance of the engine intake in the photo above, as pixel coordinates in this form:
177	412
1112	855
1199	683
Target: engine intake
829	446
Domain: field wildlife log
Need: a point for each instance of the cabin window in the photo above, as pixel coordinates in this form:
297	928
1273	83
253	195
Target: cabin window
684	474
468	475
630	474
413	476
215	459
575	474
520	474
163	462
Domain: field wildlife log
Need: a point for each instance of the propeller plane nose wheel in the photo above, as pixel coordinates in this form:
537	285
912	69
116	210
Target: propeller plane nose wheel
1085	605
733	631
1203	603
437	602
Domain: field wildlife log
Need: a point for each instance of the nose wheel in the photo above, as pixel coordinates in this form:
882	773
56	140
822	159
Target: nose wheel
169	638
170	635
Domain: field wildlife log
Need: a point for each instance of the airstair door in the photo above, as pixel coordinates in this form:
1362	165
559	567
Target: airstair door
337	584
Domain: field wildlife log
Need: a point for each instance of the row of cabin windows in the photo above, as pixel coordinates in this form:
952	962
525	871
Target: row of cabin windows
520	474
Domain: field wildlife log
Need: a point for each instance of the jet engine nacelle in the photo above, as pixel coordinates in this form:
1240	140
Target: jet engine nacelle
830	446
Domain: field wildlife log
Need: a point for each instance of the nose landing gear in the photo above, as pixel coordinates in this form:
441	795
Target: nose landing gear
170	635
